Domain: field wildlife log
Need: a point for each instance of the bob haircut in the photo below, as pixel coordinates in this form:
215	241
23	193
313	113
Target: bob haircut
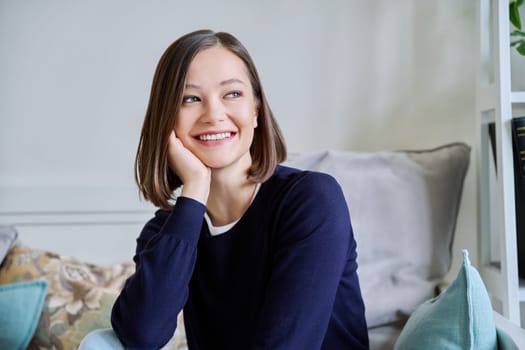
156	181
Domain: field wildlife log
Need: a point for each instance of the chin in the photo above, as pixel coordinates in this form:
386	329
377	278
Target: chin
214	163
221	160
221	163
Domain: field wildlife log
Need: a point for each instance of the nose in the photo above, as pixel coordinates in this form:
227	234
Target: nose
214	111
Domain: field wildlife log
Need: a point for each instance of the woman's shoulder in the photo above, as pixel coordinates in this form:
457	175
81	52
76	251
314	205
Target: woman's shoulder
309	179
297	185
308	198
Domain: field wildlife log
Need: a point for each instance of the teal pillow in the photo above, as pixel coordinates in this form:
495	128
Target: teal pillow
21	305
459	318
505	342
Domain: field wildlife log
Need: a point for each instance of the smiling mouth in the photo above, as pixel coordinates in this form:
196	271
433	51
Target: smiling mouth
215	137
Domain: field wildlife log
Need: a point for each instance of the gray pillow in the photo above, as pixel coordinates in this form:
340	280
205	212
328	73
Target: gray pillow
403	206
8	236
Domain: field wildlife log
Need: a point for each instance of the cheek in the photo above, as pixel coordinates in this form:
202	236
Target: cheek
247	115
178	130
181	125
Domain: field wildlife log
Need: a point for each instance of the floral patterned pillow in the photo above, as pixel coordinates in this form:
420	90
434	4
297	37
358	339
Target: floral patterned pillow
80	296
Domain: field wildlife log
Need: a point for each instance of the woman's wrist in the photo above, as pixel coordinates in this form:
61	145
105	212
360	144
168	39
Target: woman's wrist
197	189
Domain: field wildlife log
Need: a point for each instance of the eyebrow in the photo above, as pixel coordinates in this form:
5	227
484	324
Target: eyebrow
222	83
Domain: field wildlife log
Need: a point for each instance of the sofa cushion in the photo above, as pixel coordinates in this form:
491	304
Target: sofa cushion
459	318
80	295
8	236
21	305
403	206
79	299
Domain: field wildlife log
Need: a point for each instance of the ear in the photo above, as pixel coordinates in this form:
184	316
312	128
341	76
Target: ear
255	118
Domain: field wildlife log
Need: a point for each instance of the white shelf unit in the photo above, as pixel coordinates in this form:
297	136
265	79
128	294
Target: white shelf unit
496	103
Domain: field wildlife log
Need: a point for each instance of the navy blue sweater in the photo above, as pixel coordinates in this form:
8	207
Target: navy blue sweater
284	277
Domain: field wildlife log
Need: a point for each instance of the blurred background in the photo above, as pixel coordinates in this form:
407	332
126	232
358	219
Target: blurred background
339	74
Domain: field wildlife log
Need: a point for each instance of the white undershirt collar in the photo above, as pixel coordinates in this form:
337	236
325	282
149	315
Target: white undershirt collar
217	230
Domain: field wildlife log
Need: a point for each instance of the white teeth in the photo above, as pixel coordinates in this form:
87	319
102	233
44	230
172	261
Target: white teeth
215	137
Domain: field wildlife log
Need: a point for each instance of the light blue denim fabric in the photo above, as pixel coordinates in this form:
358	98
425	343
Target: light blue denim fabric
101	339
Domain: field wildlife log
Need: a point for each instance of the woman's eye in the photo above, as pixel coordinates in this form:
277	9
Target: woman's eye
233	94
190	99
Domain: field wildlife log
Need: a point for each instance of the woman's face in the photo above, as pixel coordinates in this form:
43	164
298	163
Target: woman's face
218	115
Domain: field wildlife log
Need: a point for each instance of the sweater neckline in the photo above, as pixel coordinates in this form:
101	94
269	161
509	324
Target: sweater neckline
219	230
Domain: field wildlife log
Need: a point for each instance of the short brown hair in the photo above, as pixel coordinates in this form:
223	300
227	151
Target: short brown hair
155	179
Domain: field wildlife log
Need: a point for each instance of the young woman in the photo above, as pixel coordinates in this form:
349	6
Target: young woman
258	255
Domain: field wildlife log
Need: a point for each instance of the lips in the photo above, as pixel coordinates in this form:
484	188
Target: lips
218	136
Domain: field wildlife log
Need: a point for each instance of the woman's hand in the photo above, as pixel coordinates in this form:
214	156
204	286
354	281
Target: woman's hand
195	176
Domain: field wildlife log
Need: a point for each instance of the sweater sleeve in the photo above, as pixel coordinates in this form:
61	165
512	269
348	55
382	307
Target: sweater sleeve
315	248
144	315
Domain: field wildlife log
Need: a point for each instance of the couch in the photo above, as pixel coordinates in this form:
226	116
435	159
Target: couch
403	207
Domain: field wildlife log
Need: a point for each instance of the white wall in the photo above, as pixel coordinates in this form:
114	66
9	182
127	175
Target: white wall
351	75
